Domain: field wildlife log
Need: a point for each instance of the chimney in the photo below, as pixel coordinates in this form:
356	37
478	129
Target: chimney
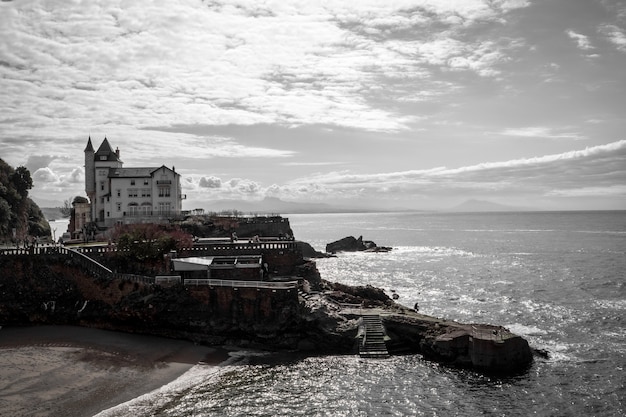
117	152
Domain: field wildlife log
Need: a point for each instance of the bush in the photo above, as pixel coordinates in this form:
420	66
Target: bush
149	241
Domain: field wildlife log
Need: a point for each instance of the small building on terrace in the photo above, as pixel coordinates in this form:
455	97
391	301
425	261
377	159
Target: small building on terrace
241	268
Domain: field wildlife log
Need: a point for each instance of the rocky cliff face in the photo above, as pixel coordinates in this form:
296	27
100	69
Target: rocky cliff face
54	290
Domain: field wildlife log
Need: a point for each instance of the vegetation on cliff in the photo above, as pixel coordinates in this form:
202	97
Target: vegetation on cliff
149	241
20	217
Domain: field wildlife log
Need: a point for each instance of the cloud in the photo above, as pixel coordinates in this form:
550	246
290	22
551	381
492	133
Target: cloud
207	188
599	167
540	132
76	177
582	41
596	168
210	182
615	35
36	162
119	63
45	175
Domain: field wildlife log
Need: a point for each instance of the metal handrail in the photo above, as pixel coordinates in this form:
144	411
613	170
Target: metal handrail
242	284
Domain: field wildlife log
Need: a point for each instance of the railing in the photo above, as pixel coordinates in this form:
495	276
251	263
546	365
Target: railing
239	246
39	250
242	284
88	262
133	278
167	279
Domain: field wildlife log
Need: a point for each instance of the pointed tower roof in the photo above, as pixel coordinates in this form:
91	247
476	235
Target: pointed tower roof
105	150
89	147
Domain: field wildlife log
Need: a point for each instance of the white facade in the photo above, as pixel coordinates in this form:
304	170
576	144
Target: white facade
129	195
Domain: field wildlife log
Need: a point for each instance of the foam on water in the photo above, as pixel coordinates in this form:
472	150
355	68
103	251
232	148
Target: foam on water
162	397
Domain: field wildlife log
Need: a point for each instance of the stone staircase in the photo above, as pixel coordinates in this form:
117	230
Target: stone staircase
373	337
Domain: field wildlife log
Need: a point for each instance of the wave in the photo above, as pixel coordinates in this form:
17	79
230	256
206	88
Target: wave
201	373
525	330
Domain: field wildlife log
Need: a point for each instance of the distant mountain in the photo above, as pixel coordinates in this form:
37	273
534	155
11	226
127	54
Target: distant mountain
482	206
277	206
52	213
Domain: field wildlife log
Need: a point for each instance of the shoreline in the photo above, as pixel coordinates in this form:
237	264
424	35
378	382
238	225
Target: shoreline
78	371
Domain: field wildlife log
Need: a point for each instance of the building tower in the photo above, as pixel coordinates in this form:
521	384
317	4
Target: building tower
90	175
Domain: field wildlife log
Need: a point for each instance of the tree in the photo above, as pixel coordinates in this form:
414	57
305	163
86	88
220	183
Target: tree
149	241
66	210
21	180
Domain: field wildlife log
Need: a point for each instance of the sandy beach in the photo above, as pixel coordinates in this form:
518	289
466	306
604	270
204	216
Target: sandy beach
74	371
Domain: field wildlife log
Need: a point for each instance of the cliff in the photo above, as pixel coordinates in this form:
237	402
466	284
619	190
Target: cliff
53	289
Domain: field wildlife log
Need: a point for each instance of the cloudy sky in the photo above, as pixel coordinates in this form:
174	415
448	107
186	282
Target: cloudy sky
398	103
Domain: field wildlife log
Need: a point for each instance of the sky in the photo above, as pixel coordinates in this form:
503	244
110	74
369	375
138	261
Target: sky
415	104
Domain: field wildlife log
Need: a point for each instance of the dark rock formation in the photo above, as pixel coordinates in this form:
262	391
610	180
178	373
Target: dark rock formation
492	349
351	244
309	251
53	289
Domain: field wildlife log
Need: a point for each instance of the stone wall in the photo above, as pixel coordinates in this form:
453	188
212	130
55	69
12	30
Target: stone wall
259	305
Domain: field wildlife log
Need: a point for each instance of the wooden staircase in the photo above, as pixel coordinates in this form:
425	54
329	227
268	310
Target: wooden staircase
372	337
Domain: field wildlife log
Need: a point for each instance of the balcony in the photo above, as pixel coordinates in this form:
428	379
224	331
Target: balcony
164	182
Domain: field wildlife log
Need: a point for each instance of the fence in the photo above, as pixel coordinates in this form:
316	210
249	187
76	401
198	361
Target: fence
242	284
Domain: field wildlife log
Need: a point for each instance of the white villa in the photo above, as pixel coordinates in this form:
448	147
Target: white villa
119	195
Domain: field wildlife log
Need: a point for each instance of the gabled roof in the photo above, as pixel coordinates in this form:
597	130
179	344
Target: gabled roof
163	166
106	151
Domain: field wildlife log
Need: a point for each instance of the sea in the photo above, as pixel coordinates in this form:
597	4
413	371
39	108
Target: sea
555	278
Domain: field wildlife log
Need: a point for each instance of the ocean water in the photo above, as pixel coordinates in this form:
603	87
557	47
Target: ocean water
555	278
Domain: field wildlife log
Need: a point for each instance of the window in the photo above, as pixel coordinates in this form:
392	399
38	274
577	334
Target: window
164	191
145	182
164	208
133	209
102	185
119	206
102	172
132	192
132	182
119	193
145	192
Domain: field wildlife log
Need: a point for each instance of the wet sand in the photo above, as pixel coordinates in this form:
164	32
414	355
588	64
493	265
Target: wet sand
75	371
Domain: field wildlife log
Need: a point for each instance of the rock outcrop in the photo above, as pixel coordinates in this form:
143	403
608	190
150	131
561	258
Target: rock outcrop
310	252
351	244
323	318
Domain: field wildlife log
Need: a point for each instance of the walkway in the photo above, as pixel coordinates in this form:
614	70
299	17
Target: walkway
373	340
